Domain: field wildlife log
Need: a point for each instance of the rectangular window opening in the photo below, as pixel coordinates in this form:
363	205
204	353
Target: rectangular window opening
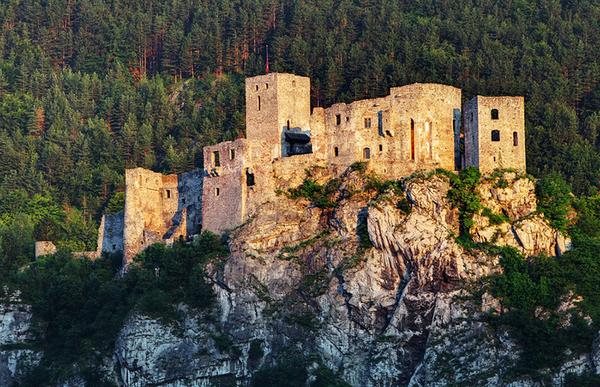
231	154
168	194
217	191
338	119
515	139
367	122
217	158
336	151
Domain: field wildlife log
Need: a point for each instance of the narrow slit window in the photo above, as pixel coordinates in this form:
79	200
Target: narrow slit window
259	103
367	153
338	119
256	87
336	151
367	122
515	139
231	154
267	86
217	191
495	135
168	194
249	178
412	139
495	114
380	147
288	124
217	159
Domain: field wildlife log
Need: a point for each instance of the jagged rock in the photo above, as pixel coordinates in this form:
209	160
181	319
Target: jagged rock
526	230
509	194
17	354
149	352
392	314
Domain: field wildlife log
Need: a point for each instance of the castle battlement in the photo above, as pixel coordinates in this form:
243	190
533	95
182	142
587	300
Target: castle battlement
416	127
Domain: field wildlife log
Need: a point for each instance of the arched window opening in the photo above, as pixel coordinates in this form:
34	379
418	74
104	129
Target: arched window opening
495	114
515	139
367	153
412	139
336	151
495	135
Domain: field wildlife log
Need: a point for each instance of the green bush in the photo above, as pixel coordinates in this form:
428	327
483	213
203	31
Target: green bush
493	217
319	195
463	196
82	303
554	199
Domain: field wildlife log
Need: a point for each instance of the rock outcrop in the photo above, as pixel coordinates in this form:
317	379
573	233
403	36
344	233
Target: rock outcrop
375	288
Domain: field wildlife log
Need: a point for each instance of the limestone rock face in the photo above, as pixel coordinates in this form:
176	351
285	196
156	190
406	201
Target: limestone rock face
17	354
523	228
375	288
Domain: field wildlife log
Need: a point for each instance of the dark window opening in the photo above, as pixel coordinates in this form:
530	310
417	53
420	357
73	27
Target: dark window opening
182	200
412	139
380	147
347	118
367	153
267	86
367	122
259	103
338	119
336	151
515	139
388	133
256	87
297	143
231	154
495	114
217	158
495	135
249	178
168	194
380	123
114	247
288	124
217	191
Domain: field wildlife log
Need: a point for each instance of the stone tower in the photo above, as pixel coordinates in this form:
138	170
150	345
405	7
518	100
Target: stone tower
494	129
276	103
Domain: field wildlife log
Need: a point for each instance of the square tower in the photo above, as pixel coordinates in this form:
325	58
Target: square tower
494	129
277	103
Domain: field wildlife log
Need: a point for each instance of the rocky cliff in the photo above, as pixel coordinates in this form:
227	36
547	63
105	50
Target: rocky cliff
375	288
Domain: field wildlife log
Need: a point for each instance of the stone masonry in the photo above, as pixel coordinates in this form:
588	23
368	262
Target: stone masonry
415	128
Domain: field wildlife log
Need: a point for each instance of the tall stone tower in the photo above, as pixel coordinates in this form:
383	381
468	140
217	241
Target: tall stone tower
276	103
495	133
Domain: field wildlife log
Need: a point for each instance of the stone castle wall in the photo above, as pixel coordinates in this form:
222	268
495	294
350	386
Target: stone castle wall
416	127
158	207
495	133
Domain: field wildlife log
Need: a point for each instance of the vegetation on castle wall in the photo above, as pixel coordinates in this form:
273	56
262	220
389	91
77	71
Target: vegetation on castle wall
80	305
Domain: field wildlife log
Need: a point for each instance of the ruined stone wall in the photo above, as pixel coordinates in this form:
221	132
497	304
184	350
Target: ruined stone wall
498	124
274	103
223	204
44	248
110	233
413	128
157	208
471	134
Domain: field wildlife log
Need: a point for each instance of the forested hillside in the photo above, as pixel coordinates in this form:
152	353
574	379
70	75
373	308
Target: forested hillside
88	88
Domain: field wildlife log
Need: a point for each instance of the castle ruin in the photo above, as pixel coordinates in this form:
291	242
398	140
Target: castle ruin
416	127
